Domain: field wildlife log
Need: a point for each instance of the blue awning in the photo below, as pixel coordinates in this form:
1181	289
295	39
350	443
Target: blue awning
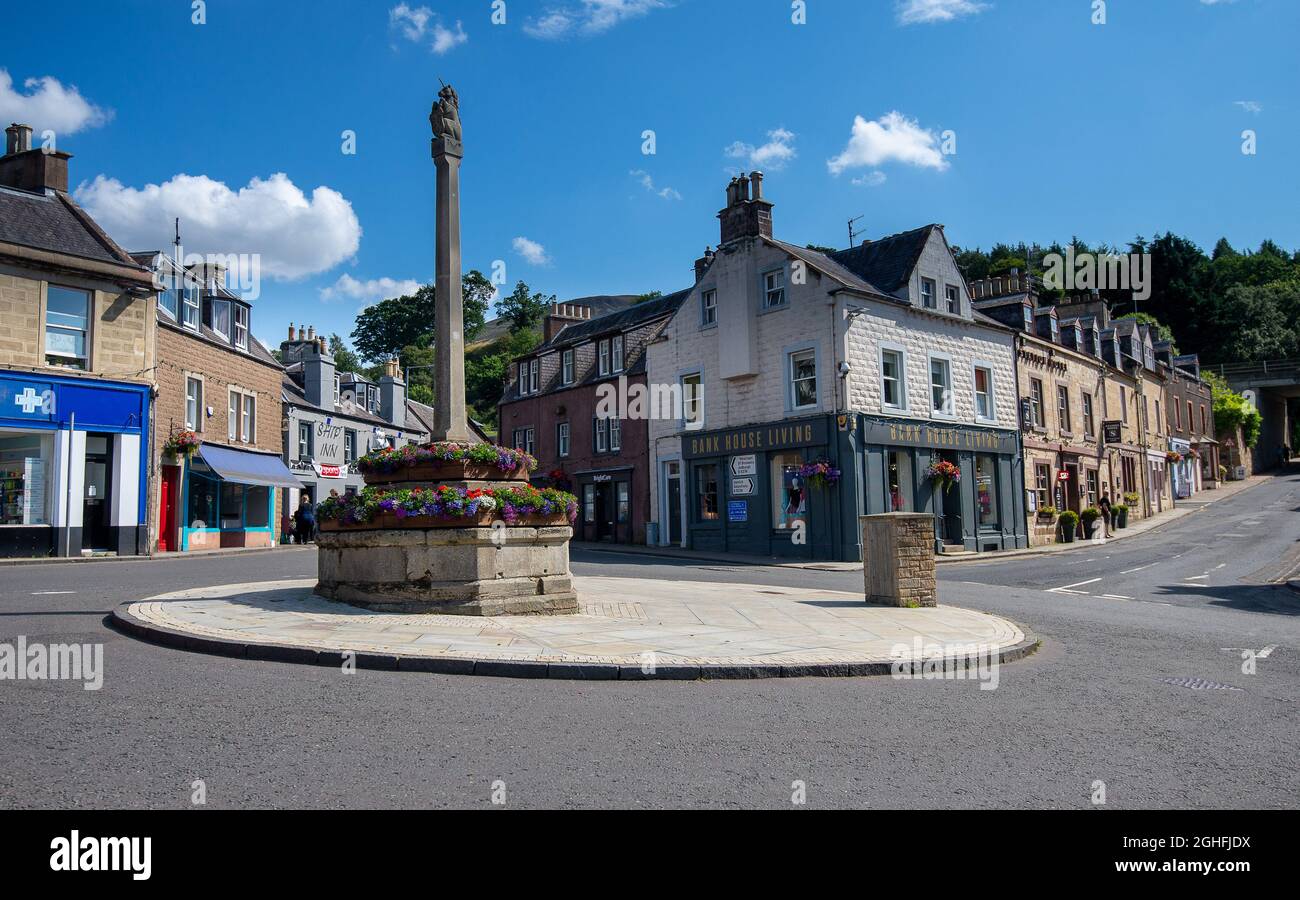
243	467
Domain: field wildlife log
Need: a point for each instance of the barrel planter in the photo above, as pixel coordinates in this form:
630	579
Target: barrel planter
389	521
433	472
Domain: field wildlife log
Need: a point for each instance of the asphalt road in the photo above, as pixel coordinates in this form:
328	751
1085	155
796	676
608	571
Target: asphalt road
1095	704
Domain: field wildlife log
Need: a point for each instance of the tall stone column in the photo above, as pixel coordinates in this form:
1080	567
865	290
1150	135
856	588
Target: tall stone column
450	422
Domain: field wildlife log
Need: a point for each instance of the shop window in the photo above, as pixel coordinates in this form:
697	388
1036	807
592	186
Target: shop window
221	318
589	503
693	401
202	511
986	490
624	502
940	387
193	403
789	492
257	507
1043	484
562	439
23	484
1036	405
67	326
803	379
892	387
706	493
984	393
774	289
566	365
928	290
899	483
709	308
232	506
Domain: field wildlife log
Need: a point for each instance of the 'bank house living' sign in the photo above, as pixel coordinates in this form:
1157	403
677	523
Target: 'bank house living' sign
937	437
777	436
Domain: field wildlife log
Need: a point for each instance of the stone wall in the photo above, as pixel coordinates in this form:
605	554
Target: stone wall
898	566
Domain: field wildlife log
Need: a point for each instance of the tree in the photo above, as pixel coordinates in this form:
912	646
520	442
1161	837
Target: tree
344	359
646	298
1231	411
476	299
1264	328
386	328
524	308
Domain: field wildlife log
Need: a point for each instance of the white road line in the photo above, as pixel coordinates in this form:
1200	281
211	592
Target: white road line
49	593
1139	568
1218	567
1068	589
1115	597
1264	654
1195	577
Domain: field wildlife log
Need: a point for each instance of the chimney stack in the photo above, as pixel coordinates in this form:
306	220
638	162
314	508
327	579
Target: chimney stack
702	264
25	169
561	316
746	216
392	394
290	331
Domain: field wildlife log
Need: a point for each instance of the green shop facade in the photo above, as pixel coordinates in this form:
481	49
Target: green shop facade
745	493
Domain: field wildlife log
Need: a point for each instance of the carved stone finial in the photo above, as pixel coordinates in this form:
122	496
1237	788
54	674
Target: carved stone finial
445	116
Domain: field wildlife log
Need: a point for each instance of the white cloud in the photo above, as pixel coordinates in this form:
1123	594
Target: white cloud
295	235
871	179
1250	106
773	155
417	23
588	17
367	292
648	183
531	251
893	137
913	12
49	105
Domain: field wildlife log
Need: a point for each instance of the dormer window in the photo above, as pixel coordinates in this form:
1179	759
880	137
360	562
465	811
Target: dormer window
534	376
336	390
774	289
372	398
241	327
221	318
616	352
566	367
953	297
602	355
928	290
190	308
1029	318
1056	329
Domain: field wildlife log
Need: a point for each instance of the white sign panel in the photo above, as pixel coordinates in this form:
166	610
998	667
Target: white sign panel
742	487
744	465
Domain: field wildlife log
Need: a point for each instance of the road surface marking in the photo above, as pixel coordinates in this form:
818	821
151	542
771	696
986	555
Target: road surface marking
1195	577
1139	568
1068	589
48	593
1115	597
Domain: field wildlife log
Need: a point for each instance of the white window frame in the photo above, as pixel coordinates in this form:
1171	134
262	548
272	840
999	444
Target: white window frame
616	354
602	435
337	384
241	328
1038	407
709	307
304	440
534	375
772	290
248	419
952	298
929	300
349	446
978	366
230	314
793	382
193	422
84	359
191	303
689	423
233	408
901	353
950	411
602	357
563	439
615	434
530	441
1064	417
566	367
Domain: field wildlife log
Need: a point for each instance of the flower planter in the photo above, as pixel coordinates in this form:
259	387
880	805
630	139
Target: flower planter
445	471
1067	536
388	521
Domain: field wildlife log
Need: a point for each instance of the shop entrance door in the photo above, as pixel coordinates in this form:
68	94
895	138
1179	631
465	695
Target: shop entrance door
673	491
96	533
168	498
605	510
952	521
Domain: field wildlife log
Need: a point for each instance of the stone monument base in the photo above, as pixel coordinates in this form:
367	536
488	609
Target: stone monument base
503	571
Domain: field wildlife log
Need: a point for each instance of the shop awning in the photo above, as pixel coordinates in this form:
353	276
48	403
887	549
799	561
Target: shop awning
243	467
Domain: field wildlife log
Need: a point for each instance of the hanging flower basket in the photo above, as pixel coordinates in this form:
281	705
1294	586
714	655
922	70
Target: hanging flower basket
1173	456
558	480
945	473
820	473
183	443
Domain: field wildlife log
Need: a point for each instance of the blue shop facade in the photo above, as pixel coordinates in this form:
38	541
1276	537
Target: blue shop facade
744	490
73	465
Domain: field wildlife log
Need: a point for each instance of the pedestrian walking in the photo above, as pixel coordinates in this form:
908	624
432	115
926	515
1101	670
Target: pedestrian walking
1106	514
306	516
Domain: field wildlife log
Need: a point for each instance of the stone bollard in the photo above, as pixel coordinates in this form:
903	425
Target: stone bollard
898	559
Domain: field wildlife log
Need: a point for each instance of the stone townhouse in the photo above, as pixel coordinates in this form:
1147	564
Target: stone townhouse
1189	415
871	361
216	381
551	409
77	355
1080	441
332	418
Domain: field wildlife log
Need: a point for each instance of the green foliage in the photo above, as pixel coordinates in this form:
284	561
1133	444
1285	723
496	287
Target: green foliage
1231	411
1163	331
1089	515
344	359
524	308
820	249
644	298
486	369
391	325
1069	520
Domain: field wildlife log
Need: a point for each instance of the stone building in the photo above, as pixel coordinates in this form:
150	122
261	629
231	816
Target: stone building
1189	414
332	418
77	354
551	409
1080	441
870	360
216	380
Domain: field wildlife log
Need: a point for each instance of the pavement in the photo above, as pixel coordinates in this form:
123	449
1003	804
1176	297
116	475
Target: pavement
1172	675
644	629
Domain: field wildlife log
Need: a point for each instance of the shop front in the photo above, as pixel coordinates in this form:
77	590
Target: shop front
982	510
1184	469
228	497
72	475
753	490
605	512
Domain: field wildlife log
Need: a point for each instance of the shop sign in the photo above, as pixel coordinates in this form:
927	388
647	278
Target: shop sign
22	399
754	438
744	465
326	471
742	487
1111	433
737	510
1063	475
939	437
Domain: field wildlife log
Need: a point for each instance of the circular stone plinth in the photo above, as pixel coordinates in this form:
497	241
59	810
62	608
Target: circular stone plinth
630	629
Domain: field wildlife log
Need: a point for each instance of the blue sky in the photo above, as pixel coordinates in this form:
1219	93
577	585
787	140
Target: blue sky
1062	128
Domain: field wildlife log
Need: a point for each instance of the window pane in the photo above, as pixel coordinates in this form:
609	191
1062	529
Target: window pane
258	507
985	490
202	503
939	393
789	493
706	486
221	317
891	369
803	376
898	478
624	502
232	505
67	307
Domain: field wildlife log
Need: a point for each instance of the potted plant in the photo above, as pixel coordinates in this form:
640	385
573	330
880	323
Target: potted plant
945	473
1047	514
1119	515
182	443
445	461
1132	498
1089	519
1069	521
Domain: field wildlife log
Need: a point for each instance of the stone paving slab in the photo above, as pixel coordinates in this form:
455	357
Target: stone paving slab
708	628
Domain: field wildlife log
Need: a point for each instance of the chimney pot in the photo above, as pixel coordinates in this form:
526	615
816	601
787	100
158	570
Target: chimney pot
311	332
290	331
756	180
302	335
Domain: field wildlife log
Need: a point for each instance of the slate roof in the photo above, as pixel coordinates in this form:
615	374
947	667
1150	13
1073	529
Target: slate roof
615	322
831	267
888	262
53	222
601	305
